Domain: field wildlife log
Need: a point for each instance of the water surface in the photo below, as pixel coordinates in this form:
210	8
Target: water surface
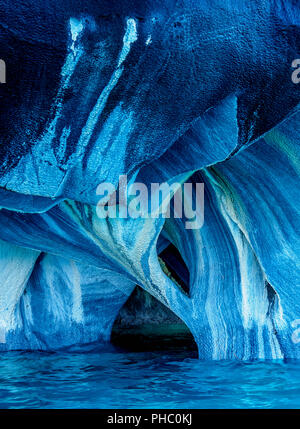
118	379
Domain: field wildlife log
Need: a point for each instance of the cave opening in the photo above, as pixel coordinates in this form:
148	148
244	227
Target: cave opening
175	267
145	324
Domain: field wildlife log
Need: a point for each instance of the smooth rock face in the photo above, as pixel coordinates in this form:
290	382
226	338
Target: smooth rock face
164	92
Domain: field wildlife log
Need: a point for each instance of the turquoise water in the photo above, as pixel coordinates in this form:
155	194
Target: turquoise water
117	379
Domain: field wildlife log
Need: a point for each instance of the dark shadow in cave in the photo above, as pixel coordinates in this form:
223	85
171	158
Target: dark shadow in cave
145	324
176	267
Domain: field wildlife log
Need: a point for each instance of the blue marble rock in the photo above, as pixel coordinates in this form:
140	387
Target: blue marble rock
168	91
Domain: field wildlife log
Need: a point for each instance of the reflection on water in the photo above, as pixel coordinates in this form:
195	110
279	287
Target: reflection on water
118	379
